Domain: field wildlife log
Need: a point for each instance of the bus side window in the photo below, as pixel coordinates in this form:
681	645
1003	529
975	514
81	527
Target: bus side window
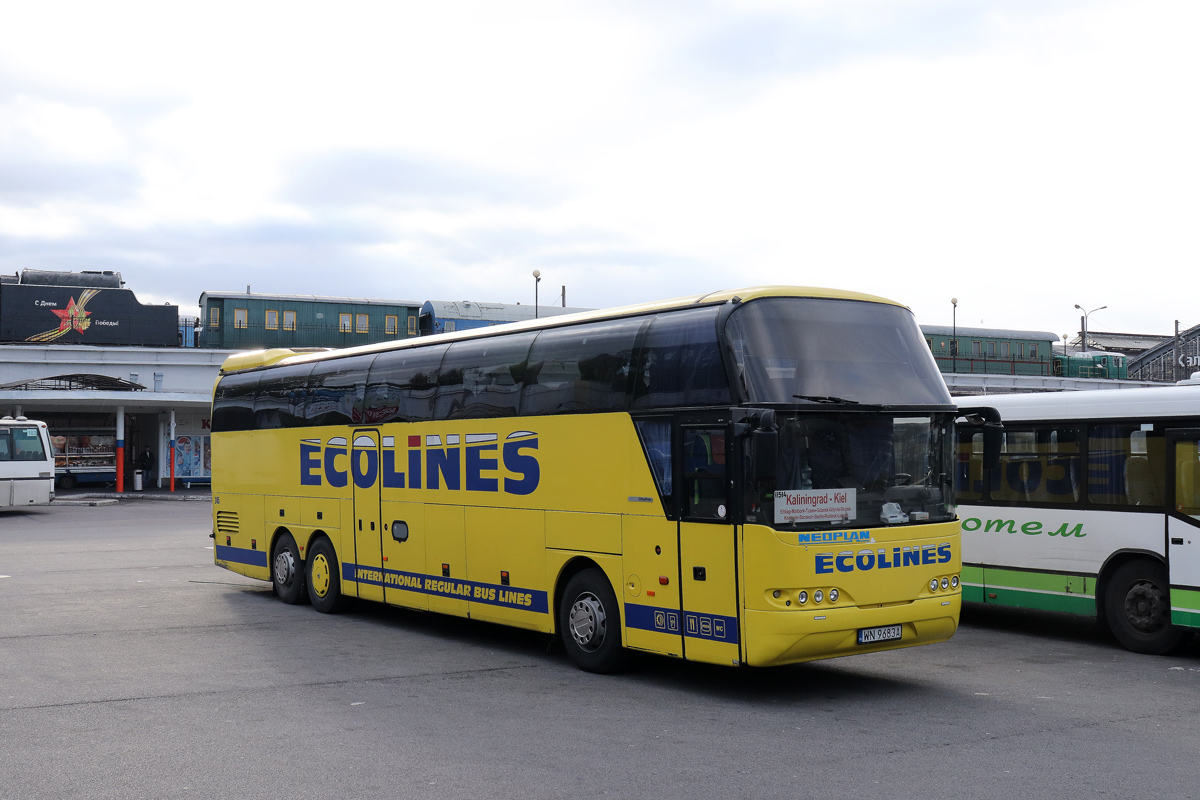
401	385
233	403
681	363
581	368
1187	496
5	445
656	441
1125	465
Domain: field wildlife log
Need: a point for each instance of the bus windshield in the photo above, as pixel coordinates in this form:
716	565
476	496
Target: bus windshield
804	350
858	470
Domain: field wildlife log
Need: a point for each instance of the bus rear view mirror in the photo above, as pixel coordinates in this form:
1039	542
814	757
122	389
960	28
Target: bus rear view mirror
766	453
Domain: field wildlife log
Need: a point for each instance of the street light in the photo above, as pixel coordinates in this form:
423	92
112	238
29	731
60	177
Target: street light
954	333
537	278
1085	321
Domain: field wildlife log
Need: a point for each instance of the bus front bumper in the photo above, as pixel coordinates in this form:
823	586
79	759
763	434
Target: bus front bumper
789	637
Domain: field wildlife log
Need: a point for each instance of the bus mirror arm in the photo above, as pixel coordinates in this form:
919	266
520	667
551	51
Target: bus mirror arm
993	432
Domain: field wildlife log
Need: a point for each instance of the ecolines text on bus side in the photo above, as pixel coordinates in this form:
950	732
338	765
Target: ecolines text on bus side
453	462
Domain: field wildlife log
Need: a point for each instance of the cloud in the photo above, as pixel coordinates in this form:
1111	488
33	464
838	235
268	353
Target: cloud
336	180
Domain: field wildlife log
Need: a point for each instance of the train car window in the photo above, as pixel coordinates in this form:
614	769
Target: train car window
289	320
483	378
402	385
361	323
343	323
390	324
241	318
272	319
336	389
582	368
214	317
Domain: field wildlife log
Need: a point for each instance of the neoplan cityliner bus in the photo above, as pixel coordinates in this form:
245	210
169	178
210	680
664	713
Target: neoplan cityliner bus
750	478
26	463
1094	508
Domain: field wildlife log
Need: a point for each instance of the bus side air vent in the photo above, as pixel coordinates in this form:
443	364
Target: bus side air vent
227	522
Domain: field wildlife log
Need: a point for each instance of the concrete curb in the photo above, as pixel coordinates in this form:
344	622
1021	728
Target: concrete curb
91	498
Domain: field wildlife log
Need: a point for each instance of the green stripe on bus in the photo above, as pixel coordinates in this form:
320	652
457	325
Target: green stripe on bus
1185	608
1073	594
1185	618
1041	581
1042	601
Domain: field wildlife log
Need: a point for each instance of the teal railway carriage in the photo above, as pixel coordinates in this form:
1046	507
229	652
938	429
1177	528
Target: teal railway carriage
991	351
245	320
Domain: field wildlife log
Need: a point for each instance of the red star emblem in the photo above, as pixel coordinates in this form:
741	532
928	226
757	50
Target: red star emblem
72	317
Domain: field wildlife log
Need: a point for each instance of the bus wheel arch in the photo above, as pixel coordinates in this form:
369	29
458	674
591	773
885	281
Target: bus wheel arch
288	572
589	618
1133	601
324	582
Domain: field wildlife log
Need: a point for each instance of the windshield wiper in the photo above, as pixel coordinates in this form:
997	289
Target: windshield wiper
819	398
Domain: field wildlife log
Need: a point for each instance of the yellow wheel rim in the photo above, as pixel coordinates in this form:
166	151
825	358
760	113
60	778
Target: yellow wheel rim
320	575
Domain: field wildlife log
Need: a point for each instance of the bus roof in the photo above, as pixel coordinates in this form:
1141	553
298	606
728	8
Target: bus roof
263	358
1165	401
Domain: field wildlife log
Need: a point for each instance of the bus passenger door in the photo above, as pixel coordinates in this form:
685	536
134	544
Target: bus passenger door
1183	526
708	548
368	532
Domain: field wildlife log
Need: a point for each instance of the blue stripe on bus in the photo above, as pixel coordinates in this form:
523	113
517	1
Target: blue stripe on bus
713	627
488	593
240	555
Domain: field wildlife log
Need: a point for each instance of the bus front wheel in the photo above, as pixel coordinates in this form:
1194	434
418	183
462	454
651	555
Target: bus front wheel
287	571
590	623
324	586
1137	605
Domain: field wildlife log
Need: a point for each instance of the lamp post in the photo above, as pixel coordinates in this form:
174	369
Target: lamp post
537	278
954	333
1086	314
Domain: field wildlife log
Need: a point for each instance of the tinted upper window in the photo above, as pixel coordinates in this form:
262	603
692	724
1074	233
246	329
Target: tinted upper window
483	377
281	397
789	348
402	385
582	368
336	389
680	363
233	402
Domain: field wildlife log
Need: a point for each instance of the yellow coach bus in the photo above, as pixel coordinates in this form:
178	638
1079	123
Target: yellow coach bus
756	477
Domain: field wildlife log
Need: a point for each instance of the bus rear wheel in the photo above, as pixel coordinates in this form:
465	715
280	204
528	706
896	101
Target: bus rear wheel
590	623
1137	606
324	585
287	571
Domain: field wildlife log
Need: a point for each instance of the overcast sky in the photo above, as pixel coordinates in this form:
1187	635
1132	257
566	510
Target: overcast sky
1022	156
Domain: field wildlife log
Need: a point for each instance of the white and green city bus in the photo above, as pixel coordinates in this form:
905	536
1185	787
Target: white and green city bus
1093	509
